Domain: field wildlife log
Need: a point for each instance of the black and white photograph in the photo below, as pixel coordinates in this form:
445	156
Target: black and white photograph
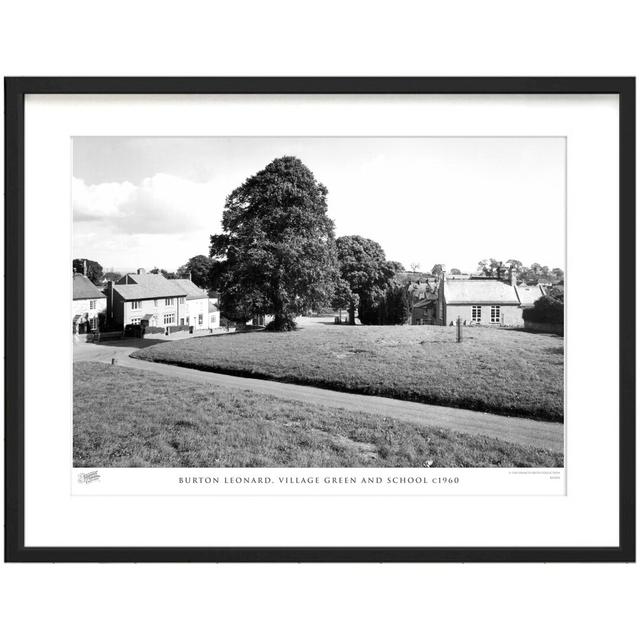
318	302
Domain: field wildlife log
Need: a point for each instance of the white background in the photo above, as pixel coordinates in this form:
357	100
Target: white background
329	38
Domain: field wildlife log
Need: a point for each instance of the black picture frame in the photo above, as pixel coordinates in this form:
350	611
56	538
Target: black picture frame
15	91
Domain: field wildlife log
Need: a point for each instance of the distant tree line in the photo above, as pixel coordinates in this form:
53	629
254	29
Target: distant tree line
534	274
490	267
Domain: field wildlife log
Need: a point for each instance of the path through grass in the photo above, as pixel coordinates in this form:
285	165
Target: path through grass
501	371
128	418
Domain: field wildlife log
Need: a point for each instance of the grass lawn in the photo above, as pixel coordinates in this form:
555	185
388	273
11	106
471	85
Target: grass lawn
502	371
128	418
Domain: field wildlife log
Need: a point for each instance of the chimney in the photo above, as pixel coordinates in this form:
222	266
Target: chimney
84	267
110	298
512	276
140	271
190	276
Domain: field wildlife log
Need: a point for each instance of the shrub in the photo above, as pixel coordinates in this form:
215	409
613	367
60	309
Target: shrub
134	331
174	328
281	323
154	330
548	310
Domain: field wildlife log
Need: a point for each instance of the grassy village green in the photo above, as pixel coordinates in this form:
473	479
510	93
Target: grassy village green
160	421
502	371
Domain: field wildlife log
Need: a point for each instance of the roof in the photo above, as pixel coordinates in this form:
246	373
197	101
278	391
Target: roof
419	291
146	286
212	306
84	289
529	294
193	292
426	302
479	292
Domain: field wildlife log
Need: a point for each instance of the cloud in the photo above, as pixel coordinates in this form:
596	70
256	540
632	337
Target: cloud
162	204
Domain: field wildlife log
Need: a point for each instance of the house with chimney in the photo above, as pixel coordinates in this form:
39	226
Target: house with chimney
89	305
484	300
152	300
145	298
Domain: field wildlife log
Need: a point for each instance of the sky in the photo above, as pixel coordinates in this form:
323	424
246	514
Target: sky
154	201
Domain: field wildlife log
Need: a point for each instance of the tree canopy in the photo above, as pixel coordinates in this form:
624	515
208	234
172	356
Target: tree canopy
94	269
198	269
276	254
365	277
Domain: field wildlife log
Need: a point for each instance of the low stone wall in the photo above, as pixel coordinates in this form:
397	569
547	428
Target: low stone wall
544	327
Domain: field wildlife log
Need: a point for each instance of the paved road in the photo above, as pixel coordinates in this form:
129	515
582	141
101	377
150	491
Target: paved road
549	435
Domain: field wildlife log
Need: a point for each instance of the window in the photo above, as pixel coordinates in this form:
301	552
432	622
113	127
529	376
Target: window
169	318
155	303
495	313
476	313
135	320
136	304
94	323
168	302
92	304
200	319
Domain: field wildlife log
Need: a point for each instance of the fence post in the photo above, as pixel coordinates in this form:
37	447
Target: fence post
458	329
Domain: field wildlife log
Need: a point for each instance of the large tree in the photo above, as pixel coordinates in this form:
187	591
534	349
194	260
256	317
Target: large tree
93	269
198	269
365	275
276	254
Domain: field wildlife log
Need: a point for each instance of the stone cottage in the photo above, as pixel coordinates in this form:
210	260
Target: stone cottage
484	301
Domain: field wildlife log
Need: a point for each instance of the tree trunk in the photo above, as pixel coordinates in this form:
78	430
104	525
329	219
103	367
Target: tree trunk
282	321
352	313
